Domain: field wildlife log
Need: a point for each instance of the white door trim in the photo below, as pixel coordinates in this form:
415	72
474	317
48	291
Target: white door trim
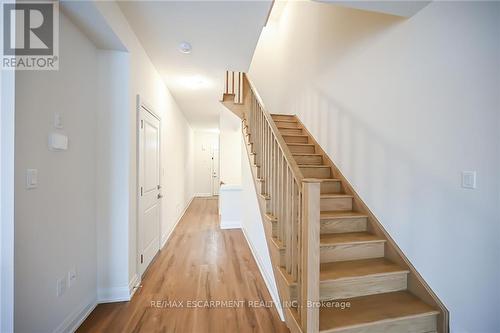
142	104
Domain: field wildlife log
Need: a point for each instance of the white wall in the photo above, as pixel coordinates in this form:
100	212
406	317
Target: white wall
251	224
230	147
7	100
204	143
95	180
55	227
402	107
112	176
177	157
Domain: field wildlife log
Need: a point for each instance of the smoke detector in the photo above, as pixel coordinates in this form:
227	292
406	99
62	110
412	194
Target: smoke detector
185	47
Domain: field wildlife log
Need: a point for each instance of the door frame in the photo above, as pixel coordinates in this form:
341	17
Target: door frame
142	104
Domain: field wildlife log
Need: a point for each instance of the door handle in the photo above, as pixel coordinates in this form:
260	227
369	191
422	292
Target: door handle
159	196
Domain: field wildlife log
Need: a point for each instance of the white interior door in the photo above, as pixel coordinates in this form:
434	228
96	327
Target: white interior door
215	171
149	189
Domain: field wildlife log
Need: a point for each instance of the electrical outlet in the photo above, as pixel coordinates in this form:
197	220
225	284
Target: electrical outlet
61	286
72	276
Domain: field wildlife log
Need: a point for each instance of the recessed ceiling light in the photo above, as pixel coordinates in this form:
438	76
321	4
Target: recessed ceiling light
185	47
194	82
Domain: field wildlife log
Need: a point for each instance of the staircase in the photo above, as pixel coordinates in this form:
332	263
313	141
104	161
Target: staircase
336	267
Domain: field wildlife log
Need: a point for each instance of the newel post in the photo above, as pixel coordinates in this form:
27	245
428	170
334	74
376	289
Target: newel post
310	255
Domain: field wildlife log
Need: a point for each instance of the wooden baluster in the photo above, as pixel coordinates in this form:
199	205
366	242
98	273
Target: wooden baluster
254	129
294	230
257	120
275	178
276	187
269	164
252	112
282	192
257	135
310	256
266	159
288	222
300	254
261	145
259	155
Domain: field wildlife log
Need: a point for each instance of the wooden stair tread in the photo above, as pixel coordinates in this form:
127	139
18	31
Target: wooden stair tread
306	154
349	238
358	268
336	195
314	166
296	135
285	128
286	120
300	144
324	180
341	214
366	310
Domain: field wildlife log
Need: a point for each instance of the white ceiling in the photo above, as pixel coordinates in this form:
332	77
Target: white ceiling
223	35
404	8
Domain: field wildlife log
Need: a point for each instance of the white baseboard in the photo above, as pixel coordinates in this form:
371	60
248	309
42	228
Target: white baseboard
167	236
230	224
268	280
133	284
202	195
76	318
115	294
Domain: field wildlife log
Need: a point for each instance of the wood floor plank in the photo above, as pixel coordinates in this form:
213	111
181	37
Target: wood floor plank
200	262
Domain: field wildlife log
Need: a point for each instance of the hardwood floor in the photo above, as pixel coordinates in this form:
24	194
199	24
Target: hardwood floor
199	263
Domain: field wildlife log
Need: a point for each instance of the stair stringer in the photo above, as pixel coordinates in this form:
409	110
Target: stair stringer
283	288
415	282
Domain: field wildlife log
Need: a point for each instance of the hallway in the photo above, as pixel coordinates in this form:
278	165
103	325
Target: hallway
199	263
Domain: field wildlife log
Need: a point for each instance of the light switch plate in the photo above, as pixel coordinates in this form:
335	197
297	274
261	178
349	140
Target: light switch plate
61	287
469	179
72	276
58	120
31	179
58	142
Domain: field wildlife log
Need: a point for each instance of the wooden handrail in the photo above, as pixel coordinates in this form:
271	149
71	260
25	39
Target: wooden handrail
294	202
284	147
